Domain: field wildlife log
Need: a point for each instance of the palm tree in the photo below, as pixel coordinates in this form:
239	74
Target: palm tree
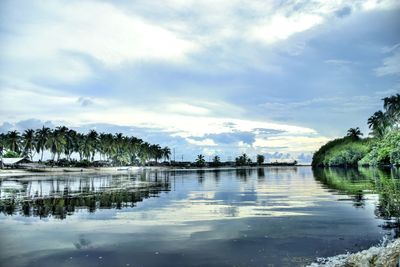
216	162
2	145
200	161
392	106
354	133
70	142
156	152
166	153
92	142
144	152
28	142
378	123
56	143
41	140
13	139
81	146
260	159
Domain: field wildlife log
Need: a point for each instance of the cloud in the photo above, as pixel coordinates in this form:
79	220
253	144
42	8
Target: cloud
391	64
84	101
343	12
106	34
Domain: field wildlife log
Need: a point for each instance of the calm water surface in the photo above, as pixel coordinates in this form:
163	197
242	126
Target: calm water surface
244	217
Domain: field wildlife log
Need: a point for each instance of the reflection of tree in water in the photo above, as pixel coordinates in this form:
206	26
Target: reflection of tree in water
356	182
200	176
261	174
244	173
60	205
217	175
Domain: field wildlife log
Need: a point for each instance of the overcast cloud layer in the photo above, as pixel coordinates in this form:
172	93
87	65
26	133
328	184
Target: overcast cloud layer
214	77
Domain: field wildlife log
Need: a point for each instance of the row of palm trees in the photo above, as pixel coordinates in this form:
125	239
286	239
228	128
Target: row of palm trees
382	122
64	142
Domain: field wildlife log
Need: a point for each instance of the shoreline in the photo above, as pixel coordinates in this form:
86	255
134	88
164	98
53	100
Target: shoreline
120	169
383	255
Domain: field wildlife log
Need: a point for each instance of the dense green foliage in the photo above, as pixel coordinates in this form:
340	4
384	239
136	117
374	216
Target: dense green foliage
11	154
62	143
345	151
382	149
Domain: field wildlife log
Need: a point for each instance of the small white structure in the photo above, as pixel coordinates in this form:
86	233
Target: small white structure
13	162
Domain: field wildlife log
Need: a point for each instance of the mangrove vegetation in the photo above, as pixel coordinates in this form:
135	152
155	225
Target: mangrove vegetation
381	148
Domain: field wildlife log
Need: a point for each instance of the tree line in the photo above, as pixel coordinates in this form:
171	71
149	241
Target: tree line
382	148
62	143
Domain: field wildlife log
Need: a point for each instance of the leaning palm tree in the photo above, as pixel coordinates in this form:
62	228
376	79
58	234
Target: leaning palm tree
41	137
379	124
28	143
354	133
392	106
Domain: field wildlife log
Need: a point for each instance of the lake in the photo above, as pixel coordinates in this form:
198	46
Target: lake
273	216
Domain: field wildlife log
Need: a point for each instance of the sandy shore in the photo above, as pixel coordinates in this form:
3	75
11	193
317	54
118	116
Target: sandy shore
66	170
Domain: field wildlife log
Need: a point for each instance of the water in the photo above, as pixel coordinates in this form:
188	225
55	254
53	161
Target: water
247	217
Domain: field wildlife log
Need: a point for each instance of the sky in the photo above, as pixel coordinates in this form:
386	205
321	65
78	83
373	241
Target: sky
219	77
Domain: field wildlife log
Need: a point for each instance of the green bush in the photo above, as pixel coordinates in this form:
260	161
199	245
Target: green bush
345	151
11	154
385	151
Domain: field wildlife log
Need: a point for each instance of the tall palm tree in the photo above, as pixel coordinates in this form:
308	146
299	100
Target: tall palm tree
2	146
13	141
28	143
92	142
41	137
56	143
144	152
80	146
354	133
70	143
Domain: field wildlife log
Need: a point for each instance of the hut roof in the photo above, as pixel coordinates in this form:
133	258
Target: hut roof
11	161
